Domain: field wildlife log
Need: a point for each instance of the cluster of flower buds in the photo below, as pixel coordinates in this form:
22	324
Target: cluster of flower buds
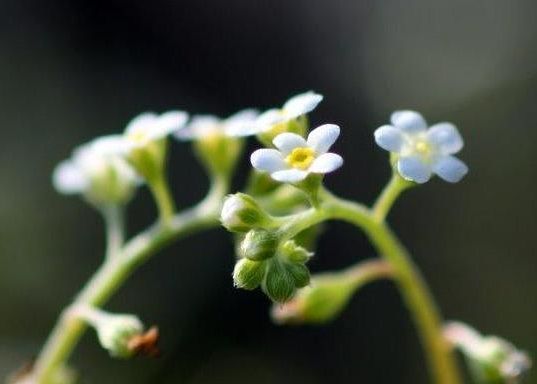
491	359
279	269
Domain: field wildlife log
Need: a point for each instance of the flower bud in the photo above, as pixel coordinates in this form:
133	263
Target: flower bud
279	283
241	213
294	253
319	303
259	244
490	358
248	274
114	331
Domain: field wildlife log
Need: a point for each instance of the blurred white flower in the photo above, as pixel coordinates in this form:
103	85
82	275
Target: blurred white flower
96	173
149	127
205	126
295	158
422	151
294	107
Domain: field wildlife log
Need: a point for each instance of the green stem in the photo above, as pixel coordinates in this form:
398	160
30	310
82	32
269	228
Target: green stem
114	218
419	301
388	196
163	198
115	270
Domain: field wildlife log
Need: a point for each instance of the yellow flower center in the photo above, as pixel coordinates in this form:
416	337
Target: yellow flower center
137	137
423	148
300	158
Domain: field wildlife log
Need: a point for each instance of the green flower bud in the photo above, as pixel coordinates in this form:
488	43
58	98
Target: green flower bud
279	283
241	213
114	331
491	359
300	274
294	253
319	303
259	244
248	274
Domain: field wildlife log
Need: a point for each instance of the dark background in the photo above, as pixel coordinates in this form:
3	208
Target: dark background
72	70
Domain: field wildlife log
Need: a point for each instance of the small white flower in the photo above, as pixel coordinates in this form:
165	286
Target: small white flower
149	127
422	151
296	157
294	107
203	126
96	172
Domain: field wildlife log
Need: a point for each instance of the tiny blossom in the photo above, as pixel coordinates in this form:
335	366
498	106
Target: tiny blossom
293	108
422	151
202	126
149	127
295	158
93	171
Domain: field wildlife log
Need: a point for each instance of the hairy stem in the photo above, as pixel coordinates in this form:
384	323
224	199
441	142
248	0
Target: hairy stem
116	270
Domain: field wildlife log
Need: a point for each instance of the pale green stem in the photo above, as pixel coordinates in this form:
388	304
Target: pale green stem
163	198
114	219
115	270
442	364
384	203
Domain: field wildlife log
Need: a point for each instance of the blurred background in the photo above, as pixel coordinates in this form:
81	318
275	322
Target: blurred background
72	70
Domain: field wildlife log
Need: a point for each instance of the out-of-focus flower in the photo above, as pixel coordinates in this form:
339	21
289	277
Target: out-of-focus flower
294	108
490	358
422	151
97	174
150	127
207	126
295	158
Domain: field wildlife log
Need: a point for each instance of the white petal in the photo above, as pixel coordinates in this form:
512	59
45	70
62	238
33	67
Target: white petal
167	123
414	169
389	138
301	104
446	137
242	121
322	138
199	126
269	160
409	121
141	123
289	175
263	123
287	141
450	169
69	179
325	163
112	145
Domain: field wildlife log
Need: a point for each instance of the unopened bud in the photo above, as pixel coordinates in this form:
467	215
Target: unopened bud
259	244
248	274
279	283
295	253
490	358
241	213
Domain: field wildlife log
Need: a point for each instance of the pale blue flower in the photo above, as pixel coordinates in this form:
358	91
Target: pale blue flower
295	157
422	151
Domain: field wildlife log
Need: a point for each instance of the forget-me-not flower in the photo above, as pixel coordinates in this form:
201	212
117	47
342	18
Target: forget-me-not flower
422	151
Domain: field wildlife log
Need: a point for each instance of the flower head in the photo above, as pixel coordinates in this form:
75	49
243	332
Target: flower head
149	127
422	151
207	126
101	176
293	108
295	158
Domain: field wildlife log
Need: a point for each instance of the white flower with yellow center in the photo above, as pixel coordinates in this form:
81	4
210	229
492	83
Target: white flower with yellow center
295	107
149	127
207	126
422	151
93	171
295	158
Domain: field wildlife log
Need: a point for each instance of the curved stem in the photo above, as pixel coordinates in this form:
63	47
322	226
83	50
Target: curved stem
163	197
419	301
388	196
115	270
